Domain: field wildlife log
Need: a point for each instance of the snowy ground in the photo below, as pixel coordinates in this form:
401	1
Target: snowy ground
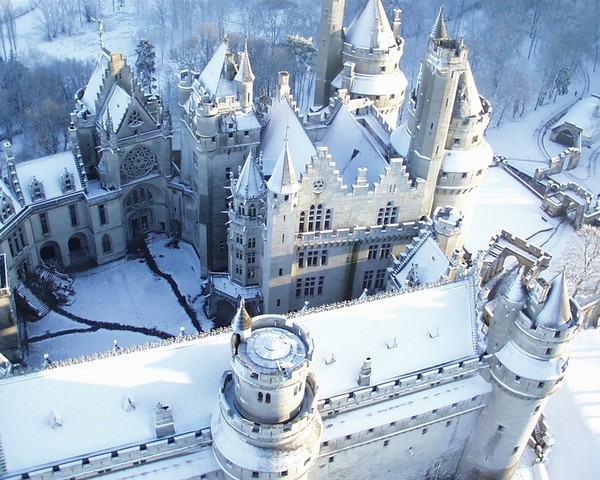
121	296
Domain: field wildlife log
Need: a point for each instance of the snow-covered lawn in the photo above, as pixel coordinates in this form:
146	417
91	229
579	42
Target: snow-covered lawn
121	296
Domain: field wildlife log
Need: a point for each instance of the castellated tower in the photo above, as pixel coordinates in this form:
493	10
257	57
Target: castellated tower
329	61
447	122
279	233
218	129
524	372
267	423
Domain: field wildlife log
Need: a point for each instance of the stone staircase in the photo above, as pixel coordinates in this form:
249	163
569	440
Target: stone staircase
37	306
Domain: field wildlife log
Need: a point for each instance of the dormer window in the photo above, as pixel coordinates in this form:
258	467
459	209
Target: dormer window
67	181
135	119
7	208
37	190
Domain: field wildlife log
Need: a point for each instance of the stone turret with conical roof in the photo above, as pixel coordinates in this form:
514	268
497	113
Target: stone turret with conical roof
283	181
524	372
246	212
370	58
267	423
244	81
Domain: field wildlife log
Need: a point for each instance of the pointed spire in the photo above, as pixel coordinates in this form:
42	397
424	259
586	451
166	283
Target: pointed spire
371	28
557	309
438	31
513	288
283	180
249	183
241	322
245	73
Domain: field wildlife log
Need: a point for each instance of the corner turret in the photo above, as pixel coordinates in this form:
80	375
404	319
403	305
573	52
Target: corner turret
267	422
524	372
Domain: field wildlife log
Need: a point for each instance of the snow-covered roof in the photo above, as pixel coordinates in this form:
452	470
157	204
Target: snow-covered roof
431	327
470	102
351	147
427	262
250	183
400	139
468	159
283	123
380	84
245	73
116	106
582	115
371	28
283	180
212	78
95	83
48	171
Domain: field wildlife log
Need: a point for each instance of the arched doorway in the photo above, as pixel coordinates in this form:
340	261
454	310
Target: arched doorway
140	207
78	249
50	255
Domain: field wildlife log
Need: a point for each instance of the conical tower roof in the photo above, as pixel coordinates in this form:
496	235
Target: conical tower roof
283	179
557	310
439	31
371	28
245	73
242	321
513	288
250	183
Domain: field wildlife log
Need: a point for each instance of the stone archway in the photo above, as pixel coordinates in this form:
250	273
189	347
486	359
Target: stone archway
78	249
50	255
140	206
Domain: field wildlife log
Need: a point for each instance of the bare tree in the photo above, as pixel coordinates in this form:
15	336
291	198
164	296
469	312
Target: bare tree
581	264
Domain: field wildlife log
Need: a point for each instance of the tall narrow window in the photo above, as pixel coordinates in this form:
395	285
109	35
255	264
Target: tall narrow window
102	214
44	223
327	225
302	222
73	215
106	244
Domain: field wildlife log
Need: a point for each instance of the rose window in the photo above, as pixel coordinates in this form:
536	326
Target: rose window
139	162
135	119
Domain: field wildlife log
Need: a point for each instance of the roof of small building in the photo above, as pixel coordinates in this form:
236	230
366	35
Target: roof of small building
371	28
429	328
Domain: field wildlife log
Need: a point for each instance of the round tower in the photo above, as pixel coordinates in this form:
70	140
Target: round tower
523	373
267	423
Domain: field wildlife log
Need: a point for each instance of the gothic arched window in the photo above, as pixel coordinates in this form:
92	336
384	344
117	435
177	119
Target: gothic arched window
138	197
106	244
315	217
301	224
139	162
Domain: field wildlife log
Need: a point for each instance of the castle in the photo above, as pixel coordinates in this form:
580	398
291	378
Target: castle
401	360
281	208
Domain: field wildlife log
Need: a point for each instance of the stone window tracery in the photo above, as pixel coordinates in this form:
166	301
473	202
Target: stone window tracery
140	196
139	162
135	119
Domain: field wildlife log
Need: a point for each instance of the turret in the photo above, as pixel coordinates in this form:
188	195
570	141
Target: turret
267	422
374	48
244	81
524	372
281	213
